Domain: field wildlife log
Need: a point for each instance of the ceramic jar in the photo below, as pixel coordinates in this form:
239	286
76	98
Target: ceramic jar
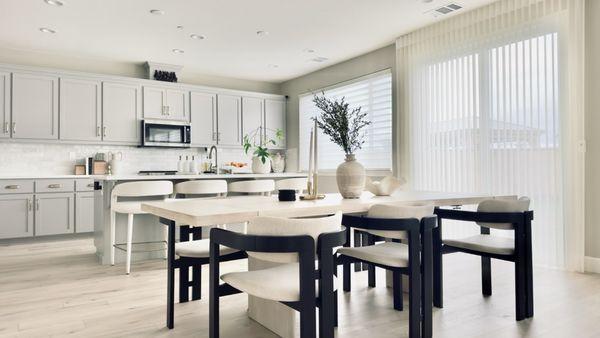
278	163
258	167
350	177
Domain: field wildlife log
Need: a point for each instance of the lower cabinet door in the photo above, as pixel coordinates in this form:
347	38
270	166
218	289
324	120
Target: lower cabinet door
16	216
84	212
54	214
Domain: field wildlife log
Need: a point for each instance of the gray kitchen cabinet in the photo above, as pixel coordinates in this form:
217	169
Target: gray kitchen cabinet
252	118
84	212
54	214
17	216
5	105
203	118
164	103
34	106
274	120
229	120
80	109
121	113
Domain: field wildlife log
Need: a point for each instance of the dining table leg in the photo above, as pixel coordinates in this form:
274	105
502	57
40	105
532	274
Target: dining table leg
170	271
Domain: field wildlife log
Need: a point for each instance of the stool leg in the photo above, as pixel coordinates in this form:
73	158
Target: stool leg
129	240
112	237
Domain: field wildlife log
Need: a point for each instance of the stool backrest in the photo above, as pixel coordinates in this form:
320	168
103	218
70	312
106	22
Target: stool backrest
298	184
202	187
252	186
279	226
516	205
143	189
414	210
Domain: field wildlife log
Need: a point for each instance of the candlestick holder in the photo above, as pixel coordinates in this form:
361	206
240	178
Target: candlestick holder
313	190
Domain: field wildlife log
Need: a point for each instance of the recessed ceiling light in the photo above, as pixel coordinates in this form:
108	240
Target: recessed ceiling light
319	59
197	37
273	66
157	12
56	3
47	30
262	33
180	27
178	51
308	50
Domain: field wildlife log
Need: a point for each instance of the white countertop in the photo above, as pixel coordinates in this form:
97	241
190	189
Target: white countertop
136	177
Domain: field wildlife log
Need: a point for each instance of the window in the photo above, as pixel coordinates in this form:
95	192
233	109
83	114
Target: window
374	94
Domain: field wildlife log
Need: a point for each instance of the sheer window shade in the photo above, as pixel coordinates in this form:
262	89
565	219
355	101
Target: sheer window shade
374	94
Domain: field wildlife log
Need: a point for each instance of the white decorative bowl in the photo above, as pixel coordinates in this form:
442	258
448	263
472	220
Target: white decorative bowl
387	186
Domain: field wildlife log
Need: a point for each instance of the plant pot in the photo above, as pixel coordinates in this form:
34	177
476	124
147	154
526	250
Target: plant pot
278	163
258	167
350	177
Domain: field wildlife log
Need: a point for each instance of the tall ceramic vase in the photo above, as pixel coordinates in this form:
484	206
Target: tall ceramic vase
350	177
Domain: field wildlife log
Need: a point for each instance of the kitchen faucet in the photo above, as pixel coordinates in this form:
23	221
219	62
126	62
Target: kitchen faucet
214	169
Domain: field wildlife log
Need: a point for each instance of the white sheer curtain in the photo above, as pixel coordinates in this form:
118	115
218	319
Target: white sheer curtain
492	101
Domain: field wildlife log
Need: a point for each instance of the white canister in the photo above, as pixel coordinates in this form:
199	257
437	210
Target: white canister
116	163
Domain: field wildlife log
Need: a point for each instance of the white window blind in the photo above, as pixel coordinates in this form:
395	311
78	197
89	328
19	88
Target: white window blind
374	94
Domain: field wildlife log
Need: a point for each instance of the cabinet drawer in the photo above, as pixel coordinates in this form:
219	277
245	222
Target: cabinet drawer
16	186
54	185
84	185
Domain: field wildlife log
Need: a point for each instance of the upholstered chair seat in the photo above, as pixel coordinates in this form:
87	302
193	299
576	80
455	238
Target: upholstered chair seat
485	243
388	253
198	249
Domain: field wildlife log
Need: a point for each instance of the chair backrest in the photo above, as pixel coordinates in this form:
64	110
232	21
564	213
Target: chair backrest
253	186
202	187
503	205
298	184
279	226
143	188
414	210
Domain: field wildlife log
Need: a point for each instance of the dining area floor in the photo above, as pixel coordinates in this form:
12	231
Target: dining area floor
56	288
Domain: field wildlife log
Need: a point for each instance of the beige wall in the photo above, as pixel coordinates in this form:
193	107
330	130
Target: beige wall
377	60
592	120
129	69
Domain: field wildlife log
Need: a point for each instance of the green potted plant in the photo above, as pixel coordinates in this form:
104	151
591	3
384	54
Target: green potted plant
259	143
344	126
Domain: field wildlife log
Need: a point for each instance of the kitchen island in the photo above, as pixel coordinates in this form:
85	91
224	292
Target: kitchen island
146	227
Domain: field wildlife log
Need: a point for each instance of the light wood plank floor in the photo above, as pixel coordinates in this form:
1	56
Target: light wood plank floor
56	288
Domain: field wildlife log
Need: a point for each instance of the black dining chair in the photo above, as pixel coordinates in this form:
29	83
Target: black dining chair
409	253
507	215
296	282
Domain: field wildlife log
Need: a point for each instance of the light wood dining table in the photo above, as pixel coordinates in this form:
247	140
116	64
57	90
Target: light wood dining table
240	209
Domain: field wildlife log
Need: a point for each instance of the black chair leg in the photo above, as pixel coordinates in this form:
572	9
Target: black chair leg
335	309
414	304
486	276
183	284
357	243
371	267
307	322
397	290
346	276
196	282
520	290
438	275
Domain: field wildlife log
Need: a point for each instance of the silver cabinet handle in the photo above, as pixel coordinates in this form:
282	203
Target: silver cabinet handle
13	187
55	186
214	138
162	110
104	131
98	131
14	128
6	130
37	204
29	204
91	185
169	110
218	136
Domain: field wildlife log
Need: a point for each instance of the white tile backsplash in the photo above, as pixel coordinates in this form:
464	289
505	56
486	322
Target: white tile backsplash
59	159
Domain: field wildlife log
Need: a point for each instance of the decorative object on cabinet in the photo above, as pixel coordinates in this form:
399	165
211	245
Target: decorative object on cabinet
163	71
278	163
116	160
387	186
312	186
261	161
160	75
344	127
80	169
100	168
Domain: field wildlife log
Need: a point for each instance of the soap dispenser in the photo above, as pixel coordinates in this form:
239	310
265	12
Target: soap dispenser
180	165
193	166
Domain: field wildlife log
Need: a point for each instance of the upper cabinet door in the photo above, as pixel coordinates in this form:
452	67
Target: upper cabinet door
154	103
252	119
274	120
80	114
177	105
203	118
120	112
34	106
229	120
5	105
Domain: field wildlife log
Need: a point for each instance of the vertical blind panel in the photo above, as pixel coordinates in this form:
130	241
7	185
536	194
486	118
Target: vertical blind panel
374	95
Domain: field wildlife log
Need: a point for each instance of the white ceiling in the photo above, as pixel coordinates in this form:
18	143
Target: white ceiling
125	31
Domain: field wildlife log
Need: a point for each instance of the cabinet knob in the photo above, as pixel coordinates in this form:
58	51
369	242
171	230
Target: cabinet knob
13	187
55	186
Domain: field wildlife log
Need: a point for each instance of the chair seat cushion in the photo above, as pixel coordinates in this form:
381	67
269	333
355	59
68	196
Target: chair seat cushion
388	253
129	207
280	283
199	249
484	243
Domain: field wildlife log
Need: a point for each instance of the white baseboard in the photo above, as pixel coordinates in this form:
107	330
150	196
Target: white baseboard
592	264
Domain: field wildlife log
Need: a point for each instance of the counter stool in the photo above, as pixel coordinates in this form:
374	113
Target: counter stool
260	187
298	184
131	208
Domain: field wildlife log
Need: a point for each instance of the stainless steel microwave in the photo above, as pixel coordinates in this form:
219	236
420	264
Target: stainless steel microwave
159	133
